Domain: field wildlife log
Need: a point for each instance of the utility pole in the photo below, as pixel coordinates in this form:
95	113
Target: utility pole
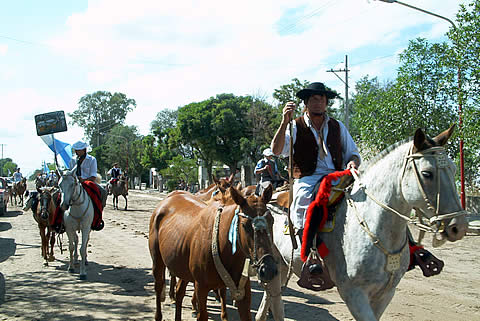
1	168
347	111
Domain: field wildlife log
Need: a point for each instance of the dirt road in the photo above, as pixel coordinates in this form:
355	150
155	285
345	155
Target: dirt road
119	284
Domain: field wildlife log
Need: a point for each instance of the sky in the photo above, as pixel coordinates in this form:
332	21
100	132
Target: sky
166	54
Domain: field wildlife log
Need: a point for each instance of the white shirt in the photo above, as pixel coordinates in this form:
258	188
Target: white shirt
88	167
324	166
17	177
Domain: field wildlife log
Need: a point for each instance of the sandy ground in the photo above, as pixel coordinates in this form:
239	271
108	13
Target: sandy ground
119	285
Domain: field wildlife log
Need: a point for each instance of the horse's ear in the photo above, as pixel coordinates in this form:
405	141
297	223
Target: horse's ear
215	180
239	186
237	197
419	139
443	137
267	194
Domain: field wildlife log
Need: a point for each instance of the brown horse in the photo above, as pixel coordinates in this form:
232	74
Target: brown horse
120	188
43	215
180	221
19	189
216	192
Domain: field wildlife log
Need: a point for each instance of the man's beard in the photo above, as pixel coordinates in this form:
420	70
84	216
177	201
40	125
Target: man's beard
318	114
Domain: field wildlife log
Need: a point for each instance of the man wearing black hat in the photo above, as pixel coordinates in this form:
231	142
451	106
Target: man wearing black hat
321	145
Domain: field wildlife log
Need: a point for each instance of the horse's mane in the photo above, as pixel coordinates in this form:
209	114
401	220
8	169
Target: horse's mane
384	152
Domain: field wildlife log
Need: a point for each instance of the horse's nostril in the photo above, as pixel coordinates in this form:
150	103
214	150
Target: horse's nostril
454	230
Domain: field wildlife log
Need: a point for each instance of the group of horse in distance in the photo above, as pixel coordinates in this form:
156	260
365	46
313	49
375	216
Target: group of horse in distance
221	237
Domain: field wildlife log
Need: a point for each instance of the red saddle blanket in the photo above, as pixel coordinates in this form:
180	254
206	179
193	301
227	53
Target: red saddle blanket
317	214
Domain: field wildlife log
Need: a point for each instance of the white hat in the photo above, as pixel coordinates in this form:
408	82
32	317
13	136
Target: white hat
267	152
79	145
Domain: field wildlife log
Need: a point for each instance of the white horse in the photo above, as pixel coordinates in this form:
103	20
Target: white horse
369	251
78	218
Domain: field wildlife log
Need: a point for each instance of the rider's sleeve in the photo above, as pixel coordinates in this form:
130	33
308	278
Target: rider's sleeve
349	147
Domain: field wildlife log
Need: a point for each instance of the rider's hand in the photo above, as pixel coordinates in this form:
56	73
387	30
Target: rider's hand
352	165
288	111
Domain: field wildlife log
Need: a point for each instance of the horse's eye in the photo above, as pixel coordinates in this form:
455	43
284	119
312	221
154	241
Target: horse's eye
427	174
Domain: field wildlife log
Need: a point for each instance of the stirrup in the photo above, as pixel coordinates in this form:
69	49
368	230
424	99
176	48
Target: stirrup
429	264
315	274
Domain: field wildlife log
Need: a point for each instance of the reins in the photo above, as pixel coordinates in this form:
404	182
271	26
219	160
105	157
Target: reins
259	223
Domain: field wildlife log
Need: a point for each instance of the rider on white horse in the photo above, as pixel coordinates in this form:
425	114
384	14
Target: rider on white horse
321	145
86	167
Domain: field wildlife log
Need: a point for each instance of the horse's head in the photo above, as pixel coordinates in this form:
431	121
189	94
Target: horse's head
46	196
220	190
67	184
255	231
428	185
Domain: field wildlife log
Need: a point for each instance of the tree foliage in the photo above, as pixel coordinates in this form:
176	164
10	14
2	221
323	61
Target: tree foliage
99	112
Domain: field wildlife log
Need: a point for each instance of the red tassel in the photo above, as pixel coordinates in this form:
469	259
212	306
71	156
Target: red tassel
321	200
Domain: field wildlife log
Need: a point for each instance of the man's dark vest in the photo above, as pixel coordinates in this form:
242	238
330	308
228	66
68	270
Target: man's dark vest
115	172
306	148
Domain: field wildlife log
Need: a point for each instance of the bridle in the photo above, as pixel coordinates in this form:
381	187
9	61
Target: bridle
441	159
258	224
82	192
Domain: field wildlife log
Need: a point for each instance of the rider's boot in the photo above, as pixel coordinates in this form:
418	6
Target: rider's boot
429	264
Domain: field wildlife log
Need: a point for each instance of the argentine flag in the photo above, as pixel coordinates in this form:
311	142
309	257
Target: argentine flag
61	148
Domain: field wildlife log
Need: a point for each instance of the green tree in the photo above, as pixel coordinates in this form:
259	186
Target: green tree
181	168
163	144
7	166
214	128
465	56
99	112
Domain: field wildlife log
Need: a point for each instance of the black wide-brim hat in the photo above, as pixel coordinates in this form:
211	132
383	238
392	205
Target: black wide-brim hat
316	88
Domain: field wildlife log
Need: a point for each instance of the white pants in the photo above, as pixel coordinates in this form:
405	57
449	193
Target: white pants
302	197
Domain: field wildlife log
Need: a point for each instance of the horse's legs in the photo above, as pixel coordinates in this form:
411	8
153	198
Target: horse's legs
51	257
379	306
44	241
201	294
272	294
173	284
358	303
243	305
272	299
179	294
158	271
126	202
72	245
83	252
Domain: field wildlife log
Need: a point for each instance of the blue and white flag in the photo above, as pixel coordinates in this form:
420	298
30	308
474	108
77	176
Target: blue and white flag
45	167
61	148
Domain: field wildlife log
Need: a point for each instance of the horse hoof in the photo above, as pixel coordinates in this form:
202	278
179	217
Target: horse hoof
51	258
83	277
45	263
71	270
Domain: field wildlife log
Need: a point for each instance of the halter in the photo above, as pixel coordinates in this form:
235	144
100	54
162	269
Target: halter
441	159
440	156
79	194
259	223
